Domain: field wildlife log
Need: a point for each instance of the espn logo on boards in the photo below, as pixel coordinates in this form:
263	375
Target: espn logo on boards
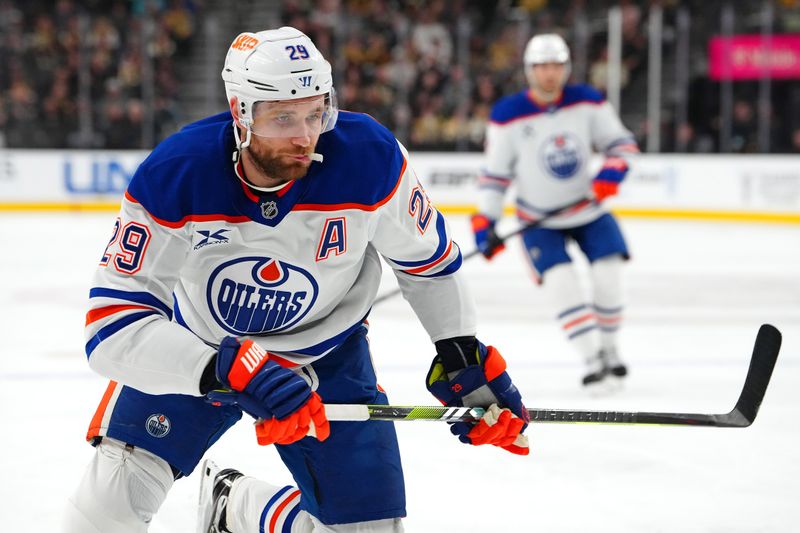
244	42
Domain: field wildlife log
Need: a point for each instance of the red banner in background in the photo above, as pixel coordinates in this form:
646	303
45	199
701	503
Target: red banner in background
748	57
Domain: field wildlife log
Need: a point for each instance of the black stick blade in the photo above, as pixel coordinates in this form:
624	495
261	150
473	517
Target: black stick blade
765	354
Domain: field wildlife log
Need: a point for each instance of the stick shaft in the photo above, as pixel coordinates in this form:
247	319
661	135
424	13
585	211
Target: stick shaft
433	413
762	363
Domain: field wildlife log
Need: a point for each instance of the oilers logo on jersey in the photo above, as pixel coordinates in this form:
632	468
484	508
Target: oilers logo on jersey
158	425
562	155
258	295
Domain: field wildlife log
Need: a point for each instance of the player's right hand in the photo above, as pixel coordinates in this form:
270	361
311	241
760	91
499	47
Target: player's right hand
309	420
279	398
486	238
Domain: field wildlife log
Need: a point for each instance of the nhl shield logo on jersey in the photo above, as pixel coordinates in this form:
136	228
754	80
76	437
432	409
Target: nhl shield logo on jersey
562	155
158	425
257	295
269	210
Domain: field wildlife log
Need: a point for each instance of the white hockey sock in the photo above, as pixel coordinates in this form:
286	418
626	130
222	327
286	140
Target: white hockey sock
255	506
608	299
574	314
120	492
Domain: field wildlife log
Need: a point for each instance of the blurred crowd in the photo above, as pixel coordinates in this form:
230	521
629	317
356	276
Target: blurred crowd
72	71
430	70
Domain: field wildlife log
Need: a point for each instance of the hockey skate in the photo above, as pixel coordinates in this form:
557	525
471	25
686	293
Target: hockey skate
604	374
615	368
215	485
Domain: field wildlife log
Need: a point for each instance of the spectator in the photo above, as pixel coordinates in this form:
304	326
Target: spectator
743	128
42	45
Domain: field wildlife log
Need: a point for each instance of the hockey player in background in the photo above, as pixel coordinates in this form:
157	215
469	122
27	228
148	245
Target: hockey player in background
239	276
541	139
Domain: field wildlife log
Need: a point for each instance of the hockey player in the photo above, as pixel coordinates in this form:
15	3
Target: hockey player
541	139
239	276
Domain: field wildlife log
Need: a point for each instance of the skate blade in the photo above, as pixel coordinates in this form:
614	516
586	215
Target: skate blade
608	386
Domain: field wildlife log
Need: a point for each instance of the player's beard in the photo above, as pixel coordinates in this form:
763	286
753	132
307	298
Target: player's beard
275	165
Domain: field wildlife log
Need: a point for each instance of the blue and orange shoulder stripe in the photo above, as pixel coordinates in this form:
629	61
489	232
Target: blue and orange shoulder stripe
580	94
187	176
513	107
362	167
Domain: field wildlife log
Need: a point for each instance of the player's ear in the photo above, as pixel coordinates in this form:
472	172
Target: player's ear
234	107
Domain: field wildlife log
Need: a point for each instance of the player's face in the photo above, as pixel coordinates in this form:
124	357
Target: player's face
285	135
549	76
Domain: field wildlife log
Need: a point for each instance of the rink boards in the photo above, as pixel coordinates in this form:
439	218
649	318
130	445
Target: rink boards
764	188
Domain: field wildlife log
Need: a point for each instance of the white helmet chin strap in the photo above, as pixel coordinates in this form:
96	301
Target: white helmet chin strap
237	155
239	144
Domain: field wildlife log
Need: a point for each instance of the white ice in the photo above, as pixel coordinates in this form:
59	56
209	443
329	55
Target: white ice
697	292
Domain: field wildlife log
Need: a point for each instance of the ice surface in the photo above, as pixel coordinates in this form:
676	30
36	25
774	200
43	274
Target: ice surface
697	292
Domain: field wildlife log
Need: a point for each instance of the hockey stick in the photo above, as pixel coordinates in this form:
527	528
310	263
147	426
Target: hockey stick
552	214
765	353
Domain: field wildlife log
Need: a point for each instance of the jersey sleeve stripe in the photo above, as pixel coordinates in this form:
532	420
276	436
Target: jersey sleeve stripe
626	145
494	179
453	266
189	218
495	183
352	205
444	241
144	298
434	263
112	328
102	312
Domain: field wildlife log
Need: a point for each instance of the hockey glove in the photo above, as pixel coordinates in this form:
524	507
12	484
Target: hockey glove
486	239
281	399
607	181
465	373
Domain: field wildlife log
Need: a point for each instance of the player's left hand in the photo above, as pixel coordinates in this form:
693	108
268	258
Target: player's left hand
467	373
486	238
607	181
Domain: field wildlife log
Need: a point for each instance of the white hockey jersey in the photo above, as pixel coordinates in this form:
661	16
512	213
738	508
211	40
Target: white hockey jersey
545	152
196	256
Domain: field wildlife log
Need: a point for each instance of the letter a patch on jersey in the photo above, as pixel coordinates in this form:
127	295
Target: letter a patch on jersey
334	238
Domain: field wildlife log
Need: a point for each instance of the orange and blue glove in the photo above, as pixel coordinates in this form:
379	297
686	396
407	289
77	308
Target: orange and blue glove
465	373
486	238
607	181
280	399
